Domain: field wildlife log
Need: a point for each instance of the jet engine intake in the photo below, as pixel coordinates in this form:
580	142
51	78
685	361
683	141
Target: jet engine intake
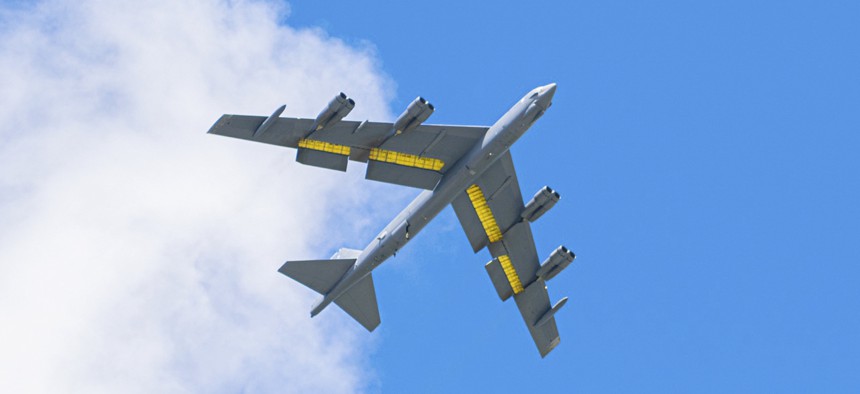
336	110
543	200
416	113
555	263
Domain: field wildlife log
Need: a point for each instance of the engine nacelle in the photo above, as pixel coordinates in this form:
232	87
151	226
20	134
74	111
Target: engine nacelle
555	263
336	109
416	113
543	200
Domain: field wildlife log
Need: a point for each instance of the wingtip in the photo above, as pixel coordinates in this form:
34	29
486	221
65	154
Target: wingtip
283	268
371	329
218	124
552	345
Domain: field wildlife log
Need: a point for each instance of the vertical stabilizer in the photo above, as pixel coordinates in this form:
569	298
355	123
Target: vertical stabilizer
346	253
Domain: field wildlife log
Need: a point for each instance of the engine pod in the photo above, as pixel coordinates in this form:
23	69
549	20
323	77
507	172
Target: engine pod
540	204
337	109
416	113
557	261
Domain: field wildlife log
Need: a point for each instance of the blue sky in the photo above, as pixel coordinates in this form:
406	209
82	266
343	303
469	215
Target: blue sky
706	154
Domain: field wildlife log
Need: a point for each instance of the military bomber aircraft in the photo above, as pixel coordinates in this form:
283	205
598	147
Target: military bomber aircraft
469	167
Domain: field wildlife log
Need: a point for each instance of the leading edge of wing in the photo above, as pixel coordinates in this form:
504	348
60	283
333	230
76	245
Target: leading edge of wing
441	145
367	135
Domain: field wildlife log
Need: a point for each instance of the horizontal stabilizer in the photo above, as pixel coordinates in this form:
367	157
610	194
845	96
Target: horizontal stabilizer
360	303
319	275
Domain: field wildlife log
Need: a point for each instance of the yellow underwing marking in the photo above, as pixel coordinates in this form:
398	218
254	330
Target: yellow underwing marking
324	146
494	234
406	159
513	278
484	213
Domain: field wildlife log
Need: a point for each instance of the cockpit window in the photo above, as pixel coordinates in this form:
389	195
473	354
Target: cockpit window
535	94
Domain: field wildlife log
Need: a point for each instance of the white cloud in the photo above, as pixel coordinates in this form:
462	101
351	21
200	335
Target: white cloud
137	253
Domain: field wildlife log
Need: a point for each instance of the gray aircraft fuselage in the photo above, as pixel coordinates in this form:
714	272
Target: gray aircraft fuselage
498	139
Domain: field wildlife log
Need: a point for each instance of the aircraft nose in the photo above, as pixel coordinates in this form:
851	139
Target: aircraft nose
547	92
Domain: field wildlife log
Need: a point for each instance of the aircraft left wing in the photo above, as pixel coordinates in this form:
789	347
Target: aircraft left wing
417	158
491	213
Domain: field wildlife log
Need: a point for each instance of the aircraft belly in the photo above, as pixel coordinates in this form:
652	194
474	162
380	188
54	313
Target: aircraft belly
468	167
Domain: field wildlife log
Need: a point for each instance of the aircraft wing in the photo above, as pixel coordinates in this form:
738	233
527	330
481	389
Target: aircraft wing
416	158
489	212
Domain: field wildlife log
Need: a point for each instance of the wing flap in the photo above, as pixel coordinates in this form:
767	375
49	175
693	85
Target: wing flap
402	175
322	159
470	222
519	244
499	279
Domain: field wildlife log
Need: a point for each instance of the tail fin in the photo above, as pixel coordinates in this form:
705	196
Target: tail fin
346	253
360	303
322	276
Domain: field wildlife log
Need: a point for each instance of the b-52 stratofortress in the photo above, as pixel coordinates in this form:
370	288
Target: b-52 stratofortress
469	167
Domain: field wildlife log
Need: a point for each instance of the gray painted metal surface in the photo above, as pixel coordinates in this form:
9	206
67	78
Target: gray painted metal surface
469	167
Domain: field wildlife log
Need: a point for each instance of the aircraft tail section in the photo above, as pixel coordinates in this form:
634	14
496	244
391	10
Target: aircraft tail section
346	253
322	276
360	303
319	275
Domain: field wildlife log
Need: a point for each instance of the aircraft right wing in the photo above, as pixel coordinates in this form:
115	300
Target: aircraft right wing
416	158
490	212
